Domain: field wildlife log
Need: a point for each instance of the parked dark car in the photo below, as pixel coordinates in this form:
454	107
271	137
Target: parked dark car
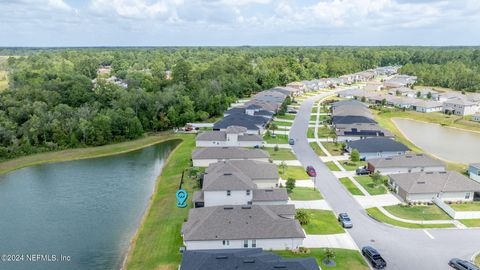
291	141
462	264
311	171
345	220
374	257
362	171
292	111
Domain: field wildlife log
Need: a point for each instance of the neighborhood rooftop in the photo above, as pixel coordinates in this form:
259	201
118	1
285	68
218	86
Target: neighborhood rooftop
371	145
434	182
228	153
409	160
251	168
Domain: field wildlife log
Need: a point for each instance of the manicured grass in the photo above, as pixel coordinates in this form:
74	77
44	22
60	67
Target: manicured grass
295	172
473	206
90	152
281	154
323	132
322	222
278	139
332	166
333	149
305	194
477	260
285	124
352	166
421	212
313	118
345	259
375	213
471	222
317	149
367	183
158	239
286	116
350	186
311	132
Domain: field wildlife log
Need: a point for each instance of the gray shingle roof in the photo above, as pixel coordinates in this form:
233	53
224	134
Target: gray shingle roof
241	222
275	194
242	259
228	153
409	160
243	120
374	145
362	129
435	182
222	136
475	165
235	129
253	169
429	104
232	180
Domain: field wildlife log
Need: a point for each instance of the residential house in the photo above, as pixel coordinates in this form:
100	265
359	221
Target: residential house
357	131
252	109
377	147
263	174
460	106
242	259
403	102
341	103
424	186
270	96
405	164
297	85
428	106
426	93
351	93
202	157
403	91
289	91
253	124
351	115
474	171
233	136
445	96
373	86
476	117
233	227
399	81
265	105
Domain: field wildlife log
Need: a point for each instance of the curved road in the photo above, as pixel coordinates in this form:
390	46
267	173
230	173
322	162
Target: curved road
402	248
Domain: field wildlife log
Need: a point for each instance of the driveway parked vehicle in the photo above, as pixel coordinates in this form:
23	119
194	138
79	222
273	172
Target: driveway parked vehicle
462	264
374	257
345	220
362	171
311	171
292	111
291	141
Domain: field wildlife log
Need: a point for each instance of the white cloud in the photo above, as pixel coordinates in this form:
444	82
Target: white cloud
140	9
59	4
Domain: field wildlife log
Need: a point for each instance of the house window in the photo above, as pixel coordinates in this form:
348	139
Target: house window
254	243
228	192
467	195
226	242
245	243
248	192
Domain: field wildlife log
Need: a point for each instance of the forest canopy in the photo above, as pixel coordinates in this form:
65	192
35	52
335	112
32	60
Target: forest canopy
57	100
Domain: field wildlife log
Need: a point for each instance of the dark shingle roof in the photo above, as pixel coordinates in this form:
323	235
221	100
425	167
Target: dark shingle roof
351	119
243	120
276	194
374	145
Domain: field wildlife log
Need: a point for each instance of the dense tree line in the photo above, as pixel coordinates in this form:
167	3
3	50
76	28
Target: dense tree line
52	102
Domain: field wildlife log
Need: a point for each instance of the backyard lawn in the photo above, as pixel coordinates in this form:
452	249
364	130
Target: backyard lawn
305	194
280	154
333	149
345	259
317	149
286	116
352	166
367	183
471	222
322	222
421	212
277	139
332	166
350	186
473	206
375	213
285	124
295	172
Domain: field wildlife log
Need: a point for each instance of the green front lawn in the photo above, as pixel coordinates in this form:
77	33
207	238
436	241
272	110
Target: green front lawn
367	183
317	149
472	206
278	139
421	212
313	118
350	186
286	116
305	194
285	124
295	172
345	259
477	260
375	213
471	222
333	149
352	166
322	222
323	132
280	154
311	132
332	166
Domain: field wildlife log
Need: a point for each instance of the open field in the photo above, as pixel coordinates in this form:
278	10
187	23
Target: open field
345	259
375	213
280	154
295	172
430	212
367	183
350	186
317	149
305	194
156	244
322	222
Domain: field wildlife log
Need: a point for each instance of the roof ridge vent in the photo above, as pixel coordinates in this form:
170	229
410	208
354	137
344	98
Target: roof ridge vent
221	257
249	261
246	207
228	208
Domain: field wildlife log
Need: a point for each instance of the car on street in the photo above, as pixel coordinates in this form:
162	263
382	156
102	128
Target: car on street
311	171
362	171
292	111
462	264
291	141
345	220
374	257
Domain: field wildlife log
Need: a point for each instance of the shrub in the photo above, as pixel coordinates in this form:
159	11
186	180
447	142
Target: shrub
302	217
290	184
355	155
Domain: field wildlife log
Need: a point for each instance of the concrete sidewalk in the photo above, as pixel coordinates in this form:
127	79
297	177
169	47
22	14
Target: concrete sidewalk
299	183
280	145
377	200
341	240
288	162
314	204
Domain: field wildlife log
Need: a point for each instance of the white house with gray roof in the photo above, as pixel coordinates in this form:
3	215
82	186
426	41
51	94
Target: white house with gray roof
460	106
424	186
263	174
233	136
428	106
405	164
254	226
476	117
202	157
474	171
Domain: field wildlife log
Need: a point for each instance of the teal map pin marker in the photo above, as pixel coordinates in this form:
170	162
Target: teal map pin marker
182	196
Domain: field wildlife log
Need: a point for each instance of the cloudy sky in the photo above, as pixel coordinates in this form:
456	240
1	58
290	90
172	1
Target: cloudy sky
238	22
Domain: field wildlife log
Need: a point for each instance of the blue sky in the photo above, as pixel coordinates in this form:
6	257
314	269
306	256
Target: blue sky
238	22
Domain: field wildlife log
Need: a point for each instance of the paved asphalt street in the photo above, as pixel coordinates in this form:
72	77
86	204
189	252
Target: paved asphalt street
401	248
